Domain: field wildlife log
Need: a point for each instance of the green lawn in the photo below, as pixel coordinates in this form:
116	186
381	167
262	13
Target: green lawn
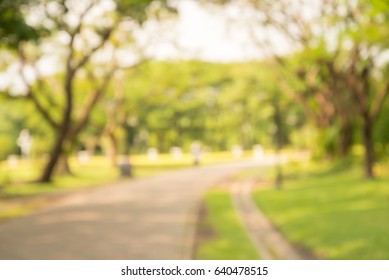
226	237
16	182
332	211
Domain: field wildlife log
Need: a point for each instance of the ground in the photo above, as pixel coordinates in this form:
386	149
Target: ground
148	218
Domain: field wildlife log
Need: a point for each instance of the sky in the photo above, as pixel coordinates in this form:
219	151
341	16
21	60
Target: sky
217	34
205	32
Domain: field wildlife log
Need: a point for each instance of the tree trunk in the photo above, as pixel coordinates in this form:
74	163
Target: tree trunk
277	118
367	131
346	139
63	167
54	155
161	141
279	174
112	149
63	130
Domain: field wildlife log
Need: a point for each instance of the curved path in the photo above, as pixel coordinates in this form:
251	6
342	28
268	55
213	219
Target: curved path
150	218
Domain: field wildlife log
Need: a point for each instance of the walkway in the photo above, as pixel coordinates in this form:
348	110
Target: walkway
269	242
150	218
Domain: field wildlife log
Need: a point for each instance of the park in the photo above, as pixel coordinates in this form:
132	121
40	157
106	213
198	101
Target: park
203	130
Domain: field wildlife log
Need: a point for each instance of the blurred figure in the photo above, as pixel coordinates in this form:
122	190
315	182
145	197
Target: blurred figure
195	149
176	153
24	141
152	154
258	152
236	151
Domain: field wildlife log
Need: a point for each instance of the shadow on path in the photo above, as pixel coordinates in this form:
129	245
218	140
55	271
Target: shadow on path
150	218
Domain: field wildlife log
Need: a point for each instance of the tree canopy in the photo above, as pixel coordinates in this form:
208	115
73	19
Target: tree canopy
85	78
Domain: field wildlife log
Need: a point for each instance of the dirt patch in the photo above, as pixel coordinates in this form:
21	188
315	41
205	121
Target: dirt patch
223	184
305	252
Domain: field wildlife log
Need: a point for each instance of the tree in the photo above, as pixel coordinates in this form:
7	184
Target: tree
352	67
341	44
86	38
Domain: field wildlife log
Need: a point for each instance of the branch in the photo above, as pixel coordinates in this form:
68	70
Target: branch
301	98
54	85
45	114
92	101
353	81
69	69
31	95
41	87
87	56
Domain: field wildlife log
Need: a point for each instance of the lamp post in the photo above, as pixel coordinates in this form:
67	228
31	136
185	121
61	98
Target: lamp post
129	127
24	141
277	119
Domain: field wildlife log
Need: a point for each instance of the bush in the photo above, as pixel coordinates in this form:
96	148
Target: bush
7	146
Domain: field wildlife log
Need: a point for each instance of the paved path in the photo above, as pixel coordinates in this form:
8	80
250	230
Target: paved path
150	218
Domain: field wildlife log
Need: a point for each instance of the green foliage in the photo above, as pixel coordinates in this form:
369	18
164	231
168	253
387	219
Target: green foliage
138	9
381	136
15	115
218	104
11	124
172	103
7	146
175	103
13	27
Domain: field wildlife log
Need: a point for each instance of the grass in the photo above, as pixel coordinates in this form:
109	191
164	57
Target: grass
227	239
16	180
331	210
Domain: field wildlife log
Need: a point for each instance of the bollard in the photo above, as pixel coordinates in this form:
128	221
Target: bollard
125	167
